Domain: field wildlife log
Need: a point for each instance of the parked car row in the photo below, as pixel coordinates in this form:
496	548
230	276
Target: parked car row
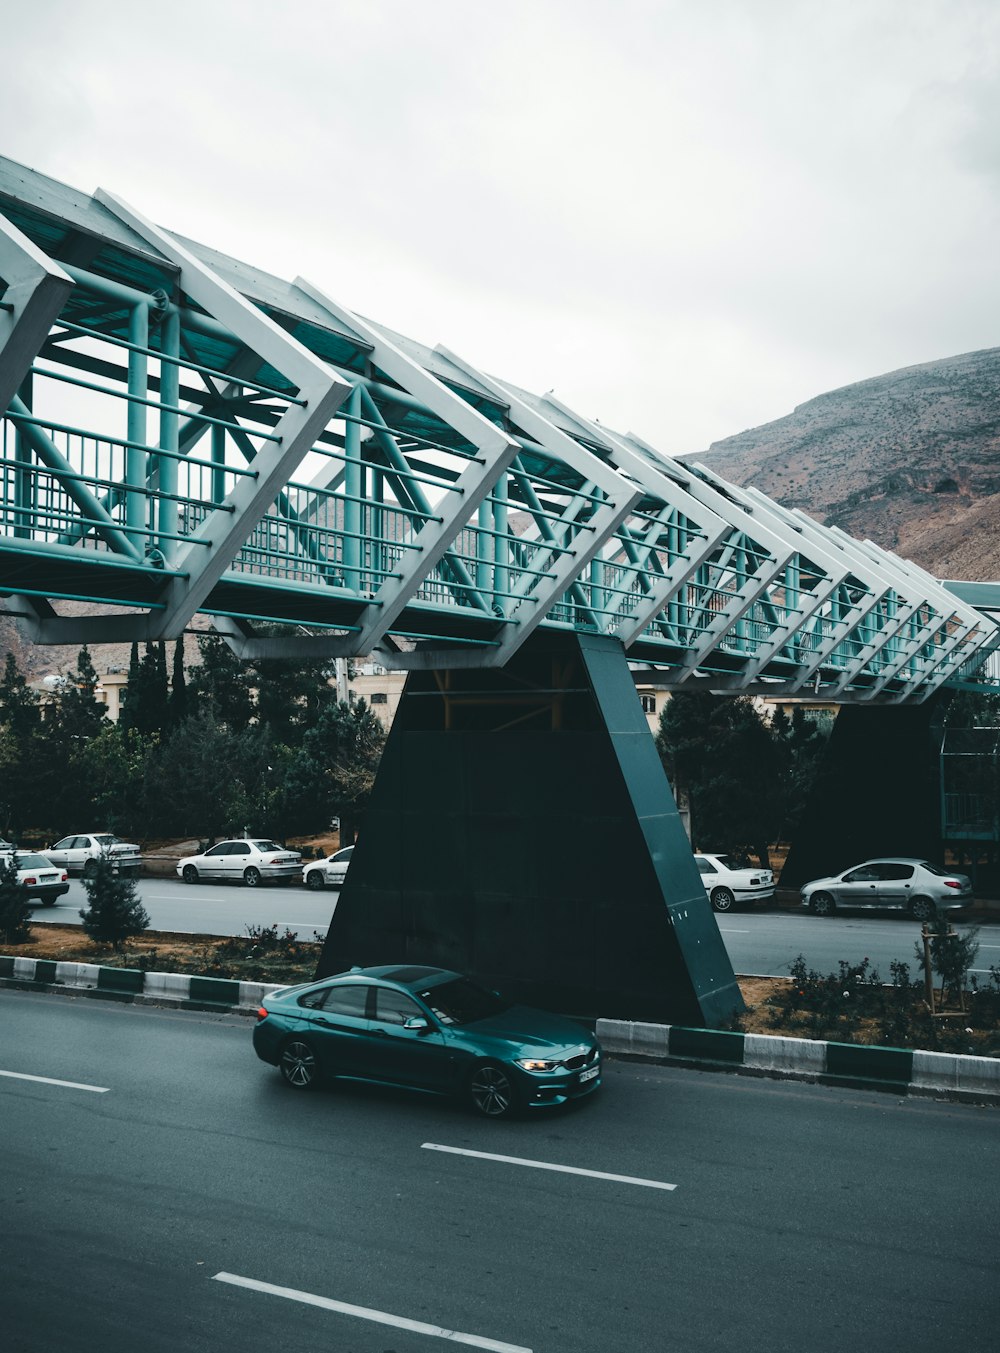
905	883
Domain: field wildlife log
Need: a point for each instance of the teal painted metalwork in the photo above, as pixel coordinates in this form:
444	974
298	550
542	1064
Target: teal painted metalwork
224	441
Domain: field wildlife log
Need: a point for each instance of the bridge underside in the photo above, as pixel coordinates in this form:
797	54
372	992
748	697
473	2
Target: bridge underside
184	433
522	829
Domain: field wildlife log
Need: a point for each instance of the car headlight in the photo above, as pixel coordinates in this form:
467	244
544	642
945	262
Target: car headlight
536	1064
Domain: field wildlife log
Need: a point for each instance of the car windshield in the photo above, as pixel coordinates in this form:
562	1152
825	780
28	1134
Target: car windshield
266	845
733	862
33	862
106	839
933	869
461	1001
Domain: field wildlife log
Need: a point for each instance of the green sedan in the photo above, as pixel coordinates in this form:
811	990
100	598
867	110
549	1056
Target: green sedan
428	1029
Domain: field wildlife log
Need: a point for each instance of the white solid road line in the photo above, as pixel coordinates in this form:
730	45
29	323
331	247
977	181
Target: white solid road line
364	1313
46	1080
544	1165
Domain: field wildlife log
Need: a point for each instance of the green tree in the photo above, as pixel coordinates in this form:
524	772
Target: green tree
77	713
720	754
952	954
223	681
22	767
801	744
18	702
114	911
113	767
291	696
178	704
125	718
146	706
195	780
15	910
334	772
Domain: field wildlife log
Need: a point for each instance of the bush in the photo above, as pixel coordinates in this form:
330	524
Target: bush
15	911
853	1004
115	912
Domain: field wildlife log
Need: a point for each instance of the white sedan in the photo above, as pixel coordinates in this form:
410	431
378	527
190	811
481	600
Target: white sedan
40	879
328	873
727	881
253	860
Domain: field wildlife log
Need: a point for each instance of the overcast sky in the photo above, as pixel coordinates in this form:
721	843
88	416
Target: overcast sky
685	217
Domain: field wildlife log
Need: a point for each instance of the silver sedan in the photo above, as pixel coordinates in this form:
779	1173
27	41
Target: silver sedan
900	883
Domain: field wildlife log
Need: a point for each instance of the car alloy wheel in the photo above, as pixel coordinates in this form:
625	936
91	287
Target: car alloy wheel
491	1091
314	879
723	899
298	1065
189	874
90	869
251	877
823	904
922	909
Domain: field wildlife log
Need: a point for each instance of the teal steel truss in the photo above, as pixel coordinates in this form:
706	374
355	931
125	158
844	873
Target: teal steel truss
183	433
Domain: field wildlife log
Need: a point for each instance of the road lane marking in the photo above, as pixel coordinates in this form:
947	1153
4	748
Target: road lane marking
728	930
545	1165
364	1313
66	1085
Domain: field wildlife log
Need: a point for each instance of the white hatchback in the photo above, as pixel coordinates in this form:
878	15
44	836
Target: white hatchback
250	860
727	881
328	873
80	854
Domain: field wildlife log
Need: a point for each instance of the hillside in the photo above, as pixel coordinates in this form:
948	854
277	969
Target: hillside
910	460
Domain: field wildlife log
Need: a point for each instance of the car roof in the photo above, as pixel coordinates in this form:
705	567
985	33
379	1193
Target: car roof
404	975
891	859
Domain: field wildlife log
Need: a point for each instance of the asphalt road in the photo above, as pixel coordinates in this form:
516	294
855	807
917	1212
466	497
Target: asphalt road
762	942
161	1189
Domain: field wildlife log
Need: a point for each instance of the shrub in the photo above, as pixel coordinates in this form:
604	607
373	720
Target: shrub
15	911
115	912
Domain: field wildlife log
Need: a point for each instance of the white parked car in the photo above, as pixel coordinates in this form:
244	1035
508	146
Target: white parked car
253	860
727	881
41	880
328	873
79	854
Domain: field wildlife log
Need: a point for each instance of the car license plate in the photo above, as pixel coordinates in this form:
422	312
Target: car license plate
589	1074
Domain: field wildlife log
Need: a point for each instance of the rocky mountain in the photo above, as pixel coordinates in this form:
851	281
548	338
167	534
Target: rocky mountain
910	460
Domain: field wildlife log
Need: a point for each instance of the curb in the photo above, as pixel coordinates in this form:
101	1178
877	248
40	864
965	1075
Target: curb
134	986
899	1070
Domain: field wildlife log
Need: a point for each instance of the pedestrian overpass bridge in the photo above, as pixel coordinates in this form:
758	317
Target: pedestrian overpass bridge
184	433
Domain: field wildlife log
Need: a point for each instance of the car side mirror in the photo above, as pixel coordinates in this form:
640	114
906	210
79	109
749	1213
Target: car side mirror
417	1023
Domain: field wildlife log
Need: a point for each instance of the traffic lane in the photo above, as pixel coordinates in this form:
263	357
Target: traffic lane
337	1194
213	908
768	943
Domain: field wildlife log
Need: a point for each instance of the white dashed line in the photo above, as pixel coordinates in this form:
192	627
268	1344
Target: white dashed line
364	1313
545	1165
47	1080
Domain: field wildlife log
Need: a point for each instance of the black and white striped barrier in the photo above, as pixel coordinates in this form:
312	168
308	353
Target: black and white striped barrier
899	1069
131	984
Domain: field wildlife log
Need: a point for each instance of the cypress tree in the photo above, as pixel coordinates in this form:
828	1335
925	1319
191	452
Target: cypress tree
178	702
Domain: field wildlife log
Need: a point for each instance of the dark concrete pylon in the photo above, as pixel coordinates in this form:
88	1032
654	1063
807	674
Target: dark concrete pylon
877	791
522	830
